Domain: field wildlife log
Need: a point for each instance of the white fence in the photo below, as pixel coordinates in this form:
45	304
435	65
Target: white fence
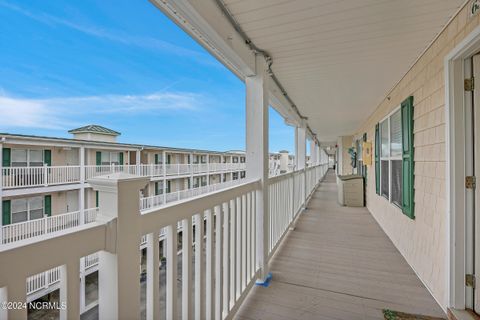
161	199
14	177
19	177
224	253
33	228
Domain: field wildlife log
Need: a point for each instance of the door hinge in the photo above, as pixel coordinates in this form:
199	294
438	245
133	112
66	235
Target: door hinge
470	182
469	84
470	280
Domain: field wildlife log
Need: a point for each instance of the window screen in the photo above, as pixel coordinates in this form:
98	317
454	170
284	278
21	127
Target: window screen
385	178
19	210
36	158
396	134
105	158
115	158
396	192
19	158
384	139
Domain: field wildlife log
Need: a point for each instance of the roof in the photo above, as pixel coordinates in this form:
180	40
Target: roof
94	128
106	143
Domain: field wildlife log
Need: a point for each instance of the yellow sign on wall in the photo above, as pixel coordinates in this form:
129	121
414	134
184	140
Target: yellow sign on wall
367	153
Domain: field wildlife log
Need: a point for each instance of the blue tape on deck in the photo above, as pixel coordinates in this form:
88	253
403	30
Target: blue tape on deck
265	283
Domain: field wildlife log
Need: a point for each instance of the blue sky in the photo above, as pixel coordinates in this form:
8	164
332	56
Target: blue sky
120	64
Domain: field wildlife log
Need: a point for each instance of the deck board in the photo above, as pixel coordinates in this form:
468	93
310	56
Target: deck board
337	264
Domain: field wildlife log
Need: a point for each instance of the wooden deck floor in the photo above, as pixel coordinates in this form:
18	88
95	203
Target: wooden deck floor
337	264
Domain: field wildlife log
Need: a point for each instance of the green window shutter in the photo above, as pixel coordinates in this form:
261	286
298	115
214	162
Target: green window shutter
48	205
97	200
407	157
120	157
168	158
168	186
156	158
6	157
6	210
156	189
377	158
99	158
47	157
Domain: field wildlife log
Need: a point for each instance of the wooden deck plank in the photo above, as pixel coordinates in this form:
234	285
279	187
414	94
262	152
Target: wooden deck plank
337	264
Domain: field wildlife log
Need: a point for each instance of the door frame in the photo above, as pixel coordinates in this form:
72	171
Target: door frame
455	73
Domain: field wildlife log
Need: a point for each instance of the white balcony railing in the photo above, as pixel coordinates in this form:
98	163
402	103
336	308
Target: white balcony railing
14	177
20	177
161	199
34	228
223	224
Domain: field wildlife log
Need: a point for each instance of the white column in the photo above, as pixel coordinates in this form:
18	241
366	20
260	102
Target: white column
300	147
164	167
208	169
138	159
69	291
191	170
3	298
16	292
313	153
81	191
153	276
257	154
119	285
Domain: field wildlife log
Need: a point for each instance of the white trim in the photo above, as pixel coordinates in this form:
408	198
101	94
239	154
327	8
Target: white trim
454	95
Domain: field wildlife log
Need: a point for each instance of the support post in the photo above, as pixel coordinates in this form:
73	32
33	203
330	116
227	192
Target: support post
257	101
81	191
153	276
119	285
69	291
300	157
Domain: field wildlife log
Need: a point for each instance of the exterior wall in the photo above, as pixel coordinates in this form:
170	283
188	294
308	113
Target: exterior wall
346	167
423	241
95	137
59	154
92	157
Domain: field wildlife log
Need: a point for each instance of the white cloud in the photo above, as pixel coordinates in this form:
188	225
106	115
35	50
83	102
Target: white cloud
64	112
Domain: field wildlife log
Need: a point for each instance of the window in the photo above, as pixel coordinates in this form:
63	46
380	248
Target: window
27	209
108	158
235	176
242	174
391	158
27	158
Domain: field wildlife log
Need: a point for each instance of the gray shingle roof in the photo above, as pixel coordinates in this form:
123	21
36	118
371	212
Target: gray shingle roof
93	128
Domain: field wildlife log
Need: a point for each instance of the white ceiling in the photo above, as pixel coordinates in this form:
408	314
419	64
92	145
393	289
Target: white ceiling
338	59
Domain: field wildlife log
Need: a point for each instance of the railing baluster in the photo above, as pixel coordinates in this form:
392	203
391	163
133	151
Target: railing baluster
238	273
233	248
218	262
199	296
209	267
171	289
244	243
187	303
226	259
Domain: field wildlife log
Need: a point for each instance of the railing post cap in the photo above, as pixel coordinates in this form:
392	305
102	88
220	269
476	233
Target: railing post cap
110	182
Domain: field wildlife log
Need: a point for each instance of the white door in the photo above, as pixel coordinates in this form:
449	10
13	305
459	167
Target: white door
72	201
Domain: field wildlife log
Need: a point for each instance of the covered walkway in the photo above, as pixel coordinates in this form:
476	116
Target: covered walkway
338	264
